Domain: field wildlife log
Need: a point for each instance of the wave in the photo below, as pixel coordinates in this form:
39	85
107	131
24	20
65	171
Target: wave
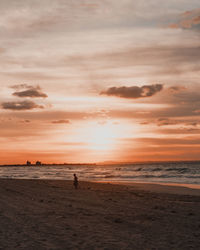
162	172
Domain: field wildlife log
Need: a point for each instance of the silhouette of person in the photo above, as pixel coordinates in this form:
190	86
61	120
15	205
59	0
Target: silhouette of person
75	181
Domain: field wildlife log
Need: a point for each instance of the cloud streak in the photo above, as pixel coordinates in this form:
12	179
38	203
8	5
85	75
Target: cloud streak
61	122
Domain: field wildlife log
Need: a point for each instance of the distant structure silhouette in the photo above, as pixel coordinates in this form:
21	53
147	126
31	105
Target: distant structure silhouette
38	163
75	181
28	163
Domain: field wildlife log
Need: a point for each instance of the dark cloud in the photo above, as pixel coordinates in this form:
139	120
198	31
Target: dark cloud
165	122
28	91
134	91
24	105
25	121
184	123
61	122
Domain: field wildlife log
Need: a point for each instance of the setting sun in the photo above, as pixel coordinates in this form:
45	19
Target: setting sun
101	136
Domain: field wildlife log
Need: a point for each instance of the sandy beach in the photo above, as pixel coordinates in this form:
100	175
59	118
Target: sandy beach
47	214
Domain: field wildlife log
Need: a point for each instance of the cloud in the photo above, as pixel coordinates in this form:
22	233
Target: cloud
24	105
61	122
23	18
188	20
165	122
180	123
180	131
2	50
25	121
134	91
47	116
29	91
183	122
20	86
175	89
170	147
189	140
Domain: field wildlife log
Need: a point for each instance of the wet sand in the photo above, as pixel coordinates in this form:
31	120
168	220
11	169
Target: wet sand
47	214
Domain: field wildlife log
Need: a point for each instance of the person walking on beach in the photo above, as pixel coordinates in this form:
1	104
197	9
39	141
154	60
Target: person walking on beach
75	181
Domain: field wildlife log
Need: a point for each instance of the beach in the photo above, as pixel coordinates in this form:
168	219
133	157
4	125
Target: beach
51	214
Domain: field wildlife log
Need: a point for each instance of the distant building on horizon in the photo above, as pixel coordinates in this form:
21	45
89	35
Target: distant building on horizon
38	163
28	163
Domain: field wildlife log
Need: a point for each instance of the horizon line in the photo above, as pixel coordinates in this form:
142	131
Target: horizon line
101	163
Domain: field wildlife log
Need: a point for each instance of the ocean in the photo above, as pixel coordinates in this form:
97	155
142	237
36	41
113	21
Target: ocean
164	172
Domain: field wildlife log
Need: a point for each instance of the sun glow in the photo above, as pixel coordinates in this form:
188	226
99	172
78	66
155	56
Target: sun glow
95	141
101	136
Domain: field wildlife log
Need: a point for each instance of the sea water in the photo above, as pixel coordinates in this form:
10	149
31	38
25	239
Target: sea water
165	172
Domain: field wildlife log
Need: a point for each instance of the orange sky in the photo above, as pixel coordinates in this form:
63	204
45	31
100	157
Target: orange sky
91	81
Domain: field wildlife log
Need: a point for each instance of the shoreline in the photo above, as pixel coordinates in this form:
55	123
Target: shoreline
173	188
42	174
158	187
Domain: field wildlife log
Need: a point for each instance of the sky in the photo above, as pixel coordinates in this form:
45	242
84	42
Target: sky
99	80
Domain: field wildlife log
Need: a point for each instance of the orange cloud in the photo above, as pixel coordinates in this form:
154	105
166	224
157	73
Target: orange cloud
188	20
61	122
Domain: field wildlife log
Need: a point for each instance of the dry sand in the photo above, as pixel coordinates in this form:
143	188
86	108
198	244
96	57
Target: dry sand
44	214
